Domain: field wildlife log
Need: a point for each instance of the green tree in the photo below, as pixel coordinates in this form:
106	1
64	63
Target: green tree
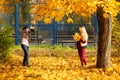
6	42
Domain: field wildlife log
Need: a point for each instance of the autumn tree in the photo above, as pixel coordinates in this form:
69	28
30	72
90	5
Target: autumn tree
3	7
105	10
104	38
7	7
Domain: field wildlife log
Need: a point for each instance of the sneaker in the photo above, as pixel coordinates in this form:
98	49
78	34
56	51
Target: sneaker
28	65
23	64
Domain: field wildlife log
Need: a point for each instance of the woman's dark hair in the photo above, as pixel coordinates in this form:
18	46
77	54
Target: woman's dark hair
24	28
32	30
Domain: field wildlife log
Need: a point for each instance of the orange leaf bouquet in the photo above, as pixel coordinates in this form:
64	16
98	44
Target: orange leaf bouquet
76	37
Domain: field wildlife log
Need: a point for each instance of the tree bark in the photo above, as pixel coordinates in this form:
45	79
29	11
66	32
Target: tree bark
104	39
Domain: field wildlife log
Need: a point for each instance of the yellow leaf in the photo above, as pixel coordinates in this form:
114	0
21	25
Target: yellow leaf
52	15
76	36
69	20
106	15
47	20
58	18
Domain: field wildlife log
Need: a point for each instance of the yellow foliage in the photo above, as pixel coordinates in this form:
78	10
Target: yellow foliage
58	18
116	36
47	20
7	8
106	15
82	7
76	37
53	14
56	64
69	20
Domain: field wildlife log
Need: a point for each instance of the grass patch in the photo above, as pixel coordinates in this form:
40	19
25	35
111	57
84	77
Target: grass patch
91	48
47	46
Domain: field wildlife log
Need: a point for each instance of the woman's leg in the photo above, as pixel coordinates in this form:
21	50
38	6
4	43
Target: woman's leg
26	54
83	58
79	52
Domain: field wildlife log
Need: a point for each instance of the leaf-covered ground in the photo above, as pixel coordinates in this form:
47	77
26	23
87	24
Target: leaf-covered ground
57	64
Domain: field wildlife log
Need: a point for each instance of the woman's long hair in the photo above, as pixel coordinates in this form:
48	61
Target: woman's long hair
25	28
83	32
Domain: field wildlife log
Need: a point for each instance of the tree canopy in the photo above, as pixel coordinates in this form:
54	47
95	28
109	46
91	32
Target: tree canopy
50	9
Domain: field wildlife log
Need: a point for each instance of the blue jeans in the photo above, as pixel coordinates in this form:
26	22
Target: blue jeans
26	54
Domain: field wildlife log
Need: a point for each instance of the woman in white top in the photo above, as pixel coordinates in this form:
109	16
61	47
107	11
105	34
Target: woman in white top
24	39
81	45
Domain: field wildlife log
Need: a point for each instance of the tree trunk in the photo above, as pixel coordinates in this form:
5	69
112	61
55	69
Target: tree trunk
104	39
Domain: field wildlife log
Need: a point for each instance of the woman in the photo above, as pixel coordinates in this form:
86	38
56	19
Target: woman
24	39
81	45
